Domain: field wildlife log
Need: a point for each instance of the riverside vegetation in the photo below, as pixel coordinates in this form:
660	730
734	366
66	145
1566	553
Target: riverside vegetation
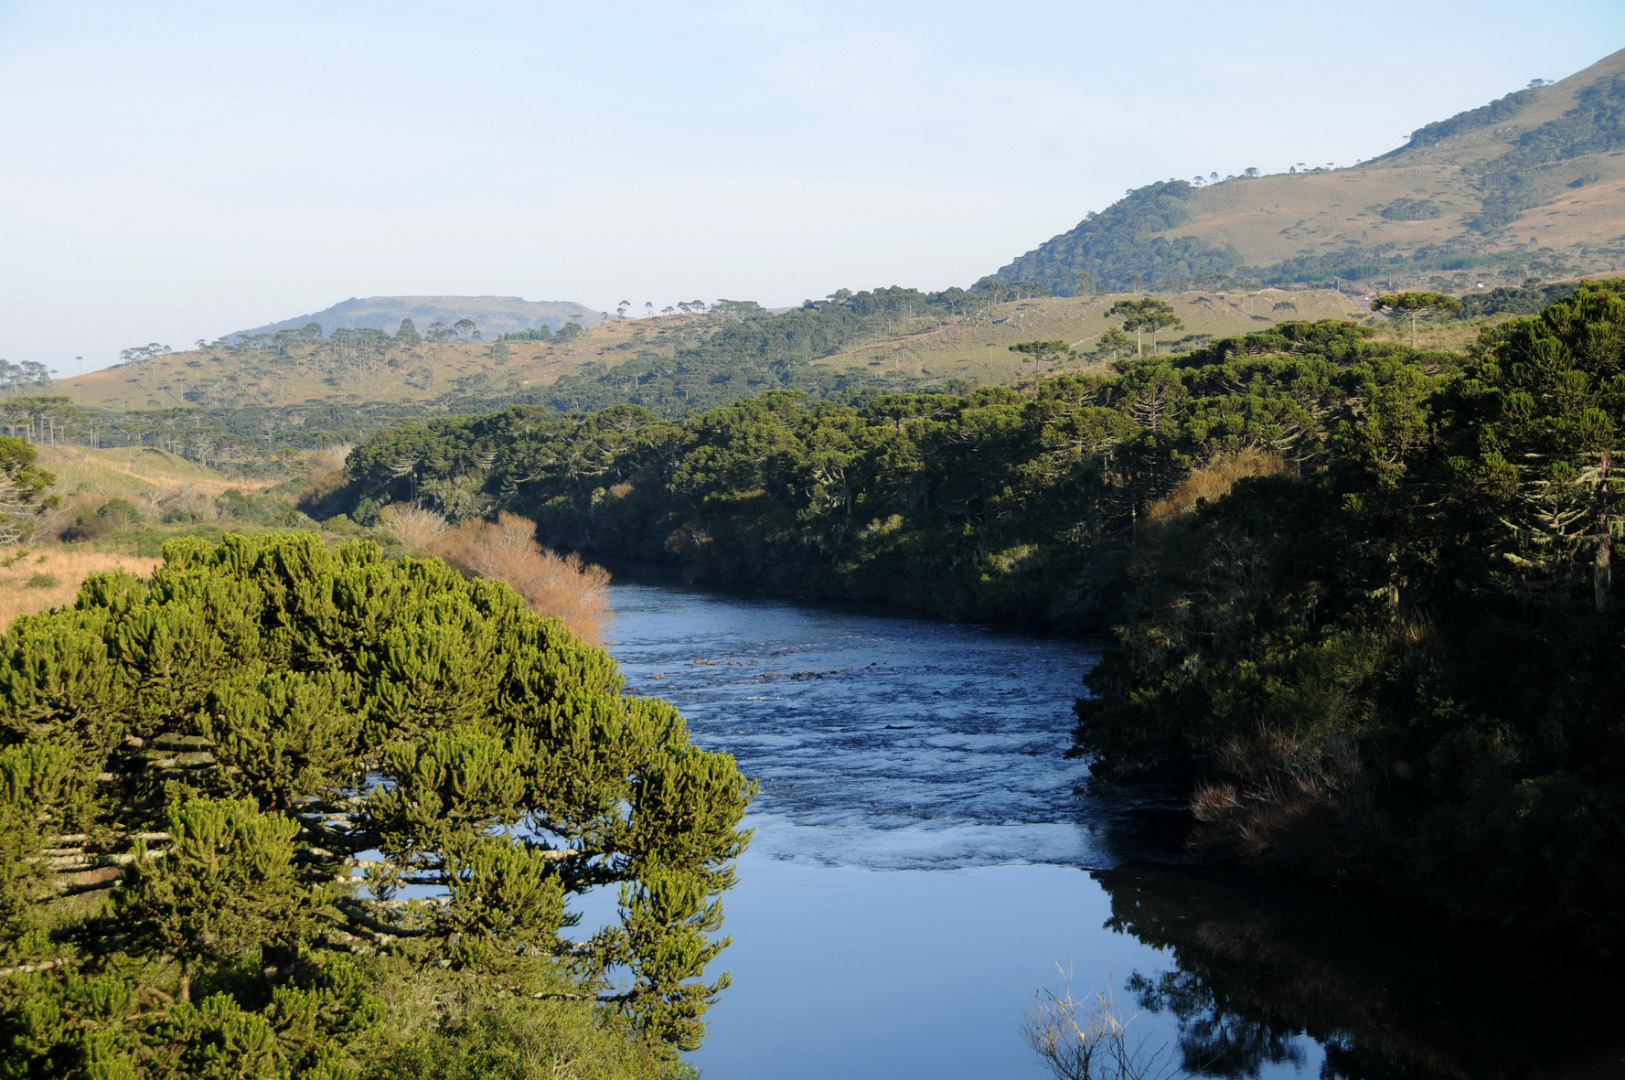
1363	593
219	785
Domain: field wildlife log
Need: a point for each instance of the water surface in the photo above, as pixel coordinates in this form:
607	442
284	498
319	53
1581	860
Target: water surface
921	866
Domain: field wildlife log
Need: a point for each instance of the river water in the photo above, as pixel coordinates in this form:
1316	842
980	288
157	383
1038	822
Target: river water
921	868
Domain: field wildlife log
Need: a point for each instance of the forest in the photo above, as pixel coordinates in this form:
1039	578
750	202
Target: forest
1362	594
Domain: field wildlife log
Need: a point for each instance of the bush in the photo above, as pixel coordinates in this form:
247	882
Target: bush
556	586
111	516
258	508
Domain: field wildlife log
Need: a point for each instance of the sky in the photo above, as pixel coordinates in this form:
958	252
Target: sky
176	171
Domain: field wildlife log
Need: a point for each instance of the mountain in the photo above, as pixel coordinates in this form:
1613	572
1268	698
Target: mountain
494	315
1531	184
889	339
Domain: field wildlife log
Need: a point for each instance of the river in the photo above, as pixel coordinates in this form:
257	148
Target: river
921	867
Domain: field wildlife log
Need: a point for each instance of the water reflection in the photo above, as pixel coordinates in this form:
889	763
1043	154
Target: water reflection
1388	993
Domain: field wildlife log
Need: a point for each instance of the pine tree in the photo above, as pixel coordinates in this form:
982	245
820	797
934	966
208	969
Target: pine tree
270	737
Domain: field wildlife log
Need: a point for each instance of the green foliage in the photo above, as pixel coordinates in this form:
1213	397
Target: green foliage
225	885
1528	299
268	723
991	504
754	351
1118	249
1513	182
492	1036
1398	665
541	333
23	487
109	517
315	1026
1411	210
1149	314
1484	116
1416	304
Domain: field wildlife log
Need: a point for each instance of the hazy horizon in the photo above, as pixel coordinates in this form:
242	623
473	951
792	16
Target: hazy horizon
183	170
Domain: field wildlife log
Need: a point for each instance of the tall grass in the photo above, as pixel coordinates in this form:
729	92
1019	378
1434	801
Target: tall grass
48	575
555	586
1213	482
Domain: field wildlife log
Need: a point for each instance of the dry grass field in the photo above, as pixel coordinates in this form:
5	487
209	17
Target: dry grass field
46	572
40	576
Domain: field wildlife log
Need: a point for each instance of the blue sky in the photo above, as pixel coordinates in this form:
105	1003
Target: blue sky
173	171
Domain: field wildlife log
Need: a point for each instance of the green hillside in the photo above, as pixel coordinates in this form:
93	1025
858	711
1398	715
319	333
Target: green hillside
1530	185
298	388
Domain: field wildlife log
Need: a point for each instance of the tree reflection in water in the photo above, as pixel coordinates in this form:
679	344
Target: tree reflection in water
1388	993
1214	1039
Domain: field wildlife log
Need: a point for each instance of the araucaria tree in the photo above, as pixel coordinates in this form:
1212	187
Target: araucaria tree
215	785
1149	315
1416	304
23	486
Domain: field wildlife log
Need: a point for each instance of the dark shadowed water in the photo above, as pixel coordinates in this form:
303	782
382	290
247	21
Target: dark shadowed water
921	866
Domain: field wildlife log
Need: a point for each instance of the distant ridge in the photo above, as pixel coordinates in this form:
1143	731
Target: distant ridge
494	315
1532	184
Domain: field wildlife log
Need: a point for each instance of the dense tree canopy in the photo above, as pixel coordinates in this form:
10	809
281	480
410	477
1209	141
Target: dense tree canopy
1404	664
1363	593
995	503
242	799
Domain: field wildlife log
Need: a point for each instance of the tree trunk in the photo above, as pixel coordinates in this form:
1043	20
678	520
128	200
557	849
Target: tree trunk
1602	571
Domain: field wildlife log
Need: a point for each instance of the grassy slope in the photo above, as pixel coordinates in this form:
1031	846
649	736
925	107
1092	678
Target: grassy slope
973	348
511	367
46	573
1271	219
1573	218
977	348
134	473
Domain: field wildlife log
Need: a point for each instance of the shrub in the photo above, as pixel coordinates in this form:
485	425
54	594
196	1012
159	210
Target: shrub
258	508
560	587
411	526
112	515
